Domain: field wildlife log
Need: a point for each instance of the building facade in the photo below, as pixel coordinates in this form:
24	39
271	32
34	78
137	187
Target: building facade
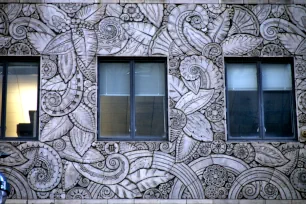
194	157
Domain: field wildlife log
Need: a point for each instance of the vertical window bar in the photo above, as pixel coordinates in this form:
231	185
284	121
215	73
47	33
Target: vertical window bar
4	91
260	102
132	99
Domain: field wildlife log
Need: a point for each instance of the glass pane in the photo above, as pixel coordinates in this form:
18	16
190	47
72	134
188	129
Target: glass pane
242	101
114	99
114	79
278	99
150	99
241	76
21	100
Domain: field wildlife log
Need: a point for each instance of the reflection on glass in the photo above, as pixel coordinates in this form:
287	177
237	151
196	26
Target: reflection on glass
21	100
242	100
114	94
277	97
149	99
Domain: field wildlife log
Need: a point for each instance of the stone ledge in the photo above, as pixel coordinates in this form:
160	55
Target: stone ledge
153	201
163	1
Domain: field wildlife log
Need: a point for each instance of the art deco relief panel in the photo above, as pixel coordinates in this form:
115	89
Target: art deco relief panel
197	163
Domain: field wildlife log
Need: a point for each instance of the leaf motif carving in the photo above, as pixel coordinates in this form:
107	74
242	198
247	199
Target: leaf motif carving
149	178
125	189
194	85
219	27
176	88
15	157
141	32
185	147
4	40
114	10
67	65
61	44
298	15
141	163
91	13
154	12
52	15
28	9
240	44
290	41
56	128
69	153
198	127
196	38
71	176
81	140
262	11
39	40
85	44
278	10
55	84
268	155
12	10
83	118
191	102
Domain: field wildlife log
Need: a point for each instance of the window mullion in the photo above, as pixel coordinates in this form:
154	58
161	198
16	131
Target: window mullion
260	102
132	99
4	91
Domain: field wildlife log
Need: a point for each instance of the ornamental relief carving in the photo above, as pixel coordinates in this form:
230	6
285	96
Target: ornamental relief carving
197	162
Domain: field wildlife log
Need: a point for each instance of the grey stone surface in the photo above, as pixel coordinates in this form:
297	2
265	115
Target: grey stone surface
69	165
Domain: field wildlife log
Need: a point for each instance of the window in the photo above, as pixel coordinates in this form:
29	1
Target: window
19	85
260	99
132	99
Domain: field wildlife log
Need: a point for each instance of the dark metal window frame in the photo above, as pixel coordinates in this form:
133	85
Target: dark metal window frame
259	61
132	61
5	61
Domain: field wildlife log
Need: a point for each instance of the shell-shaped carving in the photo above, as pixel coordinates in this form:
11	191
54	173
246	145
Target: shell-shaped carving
47	173
56	104
178	119
179	15
198	127
117	168
244	21
18	28
195	67
270	27
111	36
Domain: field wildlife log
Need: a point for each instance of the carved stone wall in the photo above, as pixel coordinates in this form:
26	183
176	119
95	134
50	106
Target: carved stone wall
197	163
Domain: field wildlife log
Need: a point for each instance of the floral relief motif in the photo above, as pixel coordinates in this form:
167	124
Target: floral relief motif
196	162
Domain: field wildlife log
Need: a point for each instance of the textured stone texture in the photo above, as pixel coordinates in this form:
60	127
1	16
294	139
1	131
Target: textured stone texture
196	163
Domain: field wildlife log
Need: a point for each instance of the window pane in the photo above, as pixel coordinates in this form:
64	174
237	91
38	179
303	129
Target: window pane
278	99
242	100
150	99
21	100
241	76
114	99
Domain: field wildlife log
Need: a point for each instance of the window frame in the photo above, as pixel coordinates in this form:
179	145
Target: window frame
5	61
131	61
261	134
